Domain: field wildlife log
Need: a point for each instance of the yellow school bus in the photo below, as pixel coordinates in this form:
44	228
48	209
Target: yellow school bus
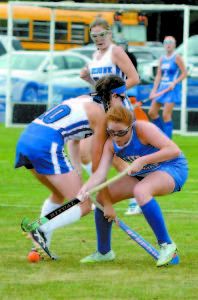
32	26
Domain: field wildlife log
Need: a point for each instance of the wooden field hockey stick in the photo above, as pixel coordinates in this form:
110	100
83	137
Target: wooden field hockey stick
139	103
27	226
137	238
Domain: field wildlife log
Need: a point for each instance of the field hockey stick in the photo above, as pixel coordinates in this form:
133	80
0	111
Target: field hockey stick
139	103
27	226
137	238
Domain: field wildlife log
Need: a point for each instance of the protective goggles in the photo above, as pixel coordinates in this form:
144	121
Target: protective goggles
102	35
119	133
169	42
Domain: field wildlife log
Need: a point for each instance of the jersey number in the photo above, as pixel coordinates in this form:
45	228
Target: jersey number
54	114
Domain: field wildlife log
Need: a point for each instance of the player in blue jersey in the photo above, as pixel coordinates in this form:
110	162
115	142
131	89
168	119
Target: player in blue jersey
157	168
171	72
107	59
40	149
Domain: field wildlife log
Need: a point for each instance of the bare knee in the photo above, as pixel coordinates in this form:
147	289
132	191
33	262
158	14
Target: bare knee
141	194
152	114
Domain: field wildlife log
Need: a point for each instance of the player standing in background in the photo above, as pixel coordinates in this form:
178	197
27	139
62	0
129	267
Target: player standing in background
157	168
108	59
40	149
171	71
133	208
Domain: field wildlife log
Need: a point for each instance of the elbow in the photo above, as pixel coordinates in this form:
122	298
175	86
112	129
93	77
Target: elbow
177	152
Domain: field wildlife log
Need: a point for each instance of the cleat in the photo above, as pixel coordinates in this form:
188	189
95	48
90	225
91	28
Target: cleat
98	257
24	233
134	209
39	239
167	253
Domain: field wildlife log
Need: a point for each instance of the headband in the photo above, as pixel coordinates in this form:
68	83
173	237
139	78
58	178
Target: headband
119	90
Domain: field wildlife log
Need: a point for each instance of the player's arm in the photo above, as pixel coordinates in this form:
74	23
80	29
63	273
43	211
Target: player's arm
181	65
73	149
150	134
157	79
121	59
101	173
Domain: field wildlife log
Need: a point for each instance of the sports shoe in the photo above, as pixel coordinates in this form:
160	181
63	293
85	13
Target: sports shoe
134	209
167	252
98	257
39	240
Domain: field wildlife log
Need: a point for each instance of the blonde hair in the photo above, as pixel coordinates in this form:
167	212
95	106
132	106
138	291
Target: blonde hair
119	114
100	22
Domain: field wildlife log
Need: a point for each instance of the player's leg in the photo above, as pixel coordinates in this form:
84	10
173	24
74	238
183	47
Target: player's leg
120	165
167	117
154	114
67	185
156	184
86	154
120	190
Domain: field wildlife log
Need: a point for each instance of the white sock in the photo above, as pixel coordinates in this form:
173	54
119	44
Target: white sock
88	168
132	201
48	207
69	216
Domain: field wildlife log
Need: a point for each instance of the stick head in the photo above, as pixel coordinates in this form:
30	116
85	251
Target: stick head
25	224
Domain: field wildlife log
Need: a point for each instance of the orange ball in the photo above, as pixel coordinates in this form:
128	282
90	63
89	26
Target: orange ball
33	256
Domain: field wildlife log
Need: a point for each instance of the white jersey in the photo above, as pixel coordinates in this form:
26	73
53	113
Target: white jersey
69	118
104	66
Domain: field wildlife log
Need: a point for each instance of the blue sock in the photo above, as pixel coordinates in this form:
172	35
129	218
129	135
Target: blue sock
168	128
159	123
154	217
103	230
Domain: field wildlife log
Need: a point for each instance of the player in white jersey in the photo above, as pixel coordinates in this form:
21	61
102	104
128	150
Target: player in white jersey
108	59
40	148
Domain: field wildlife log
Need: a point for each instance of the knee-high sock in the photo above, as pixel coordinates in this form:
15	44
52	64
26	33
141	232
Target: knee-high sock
154	217
159	123
65	218
48	207
168	128
103	230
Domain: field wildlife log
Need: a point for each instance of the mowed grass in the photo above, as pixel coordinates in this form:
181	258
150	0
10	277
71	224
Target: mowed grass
133	275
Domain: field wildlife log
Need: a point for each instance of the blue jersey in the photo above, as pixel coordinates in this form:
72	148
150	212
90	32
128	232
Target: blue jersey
177	167
170	72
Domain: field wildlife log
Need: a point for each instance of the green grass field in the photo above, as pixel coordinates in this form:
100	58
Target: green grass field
133	275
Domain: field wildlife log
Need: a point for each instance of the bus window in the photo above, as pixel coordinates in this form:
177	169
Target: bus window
3	26
77	32
41	30
20	27
61	31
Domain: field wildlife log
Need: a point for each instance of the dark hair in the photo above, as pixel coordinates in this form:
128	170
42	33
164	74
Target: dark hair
104	86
